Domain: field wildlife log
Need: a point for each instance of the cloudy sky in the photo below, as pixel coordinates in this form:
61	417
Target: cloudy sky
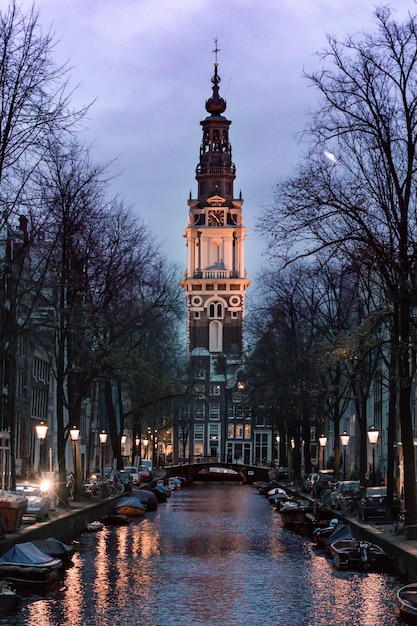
148	64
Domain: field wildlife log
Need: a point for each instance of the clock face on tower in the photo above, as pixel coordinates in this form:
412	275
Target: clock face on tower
215	218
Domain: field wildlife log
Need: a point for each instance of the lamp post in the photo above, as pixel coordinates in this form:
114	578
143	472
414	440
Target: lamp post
278	440
373	435
138	452
103	438
145	443
74	436
344	439
41	430
323	443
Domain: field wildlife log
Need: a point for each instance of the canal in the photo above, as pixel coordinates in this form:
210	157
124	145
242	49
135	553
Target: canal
215	554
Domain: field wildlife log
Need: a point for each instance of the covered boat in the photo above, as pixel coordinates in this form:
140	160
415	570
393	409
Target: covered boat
334	532
55	548
407	602
358	555
25	564
131	506
277	496
218	473
162	493
148	498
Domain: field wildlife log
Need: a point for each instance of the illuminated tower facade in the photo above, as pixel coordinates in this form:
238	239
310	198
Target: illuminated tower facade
215	284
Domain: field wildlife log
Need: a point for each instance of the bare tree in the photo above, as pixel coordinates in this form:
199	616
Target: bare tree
357	187
34	106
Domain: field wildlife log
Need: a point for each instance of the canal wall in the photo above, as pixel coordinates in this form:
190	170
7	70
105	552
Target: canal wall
401	549
65	523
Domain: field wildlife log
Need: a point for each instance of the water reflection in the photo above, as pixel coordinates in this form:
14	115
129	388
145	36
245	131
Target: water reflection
213	555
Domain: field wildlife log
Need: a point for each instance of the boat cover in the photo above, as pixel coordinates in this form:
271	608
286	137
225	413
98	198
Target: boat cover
55	548
26	554
148	498
132	501
341	531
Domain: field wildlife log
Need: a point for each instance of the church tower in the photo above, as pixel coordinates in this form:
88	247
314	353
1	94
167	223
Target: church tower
215	285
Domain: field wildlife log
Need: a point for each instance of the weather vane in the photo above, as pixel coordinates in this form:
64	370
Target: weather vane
216	50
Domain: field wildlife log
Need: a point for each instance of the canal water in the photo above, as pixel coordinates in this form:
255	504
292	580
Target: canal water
215	555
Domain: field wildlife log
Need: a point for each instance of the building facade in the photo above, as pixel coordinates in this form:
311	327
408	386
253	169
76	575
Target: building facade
216	420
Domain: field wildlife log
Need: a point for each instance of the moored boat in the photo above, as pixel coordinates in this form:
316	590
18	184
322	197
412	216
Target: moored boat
131	506
55	548
407	602
162	493
358	555
336	531
277	496
24	564
218	473
148	498
95	526
115	519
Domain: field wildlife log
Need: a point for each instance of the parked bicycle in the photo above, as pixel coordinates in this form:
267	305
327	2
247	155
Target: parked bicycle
348	502
399	524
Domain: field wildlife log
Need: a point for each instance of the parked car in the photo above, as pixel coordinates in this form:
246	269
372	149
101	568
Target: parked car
281	473
38	501
96	473
374	503
134	473
144	473
148	464
322	481
341	487
308	482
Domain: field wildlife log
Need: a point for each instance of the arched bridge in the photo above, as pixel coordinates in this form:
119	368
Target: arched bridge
245	473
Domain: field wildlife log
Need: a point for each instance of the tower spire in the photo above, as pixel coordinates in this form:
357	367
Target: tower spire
216	50
215	105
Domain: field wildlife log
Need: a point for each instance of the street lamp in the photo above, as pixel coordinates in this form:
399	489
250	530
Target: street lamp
138	452
278	440
323	443
145	443
74	436
344	439
103	438
373	435
123	440
41	430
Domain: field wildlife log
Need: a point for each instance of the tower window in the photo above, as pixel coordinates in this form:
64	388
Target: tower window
215	311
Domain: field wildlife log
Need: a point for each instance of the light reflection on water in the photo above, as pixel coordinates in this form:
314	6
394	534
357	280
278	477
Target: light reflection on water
213	555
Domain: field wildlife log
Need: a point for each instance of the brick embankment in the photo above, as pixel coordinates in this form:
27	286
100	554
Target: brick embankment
65	523
402	550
